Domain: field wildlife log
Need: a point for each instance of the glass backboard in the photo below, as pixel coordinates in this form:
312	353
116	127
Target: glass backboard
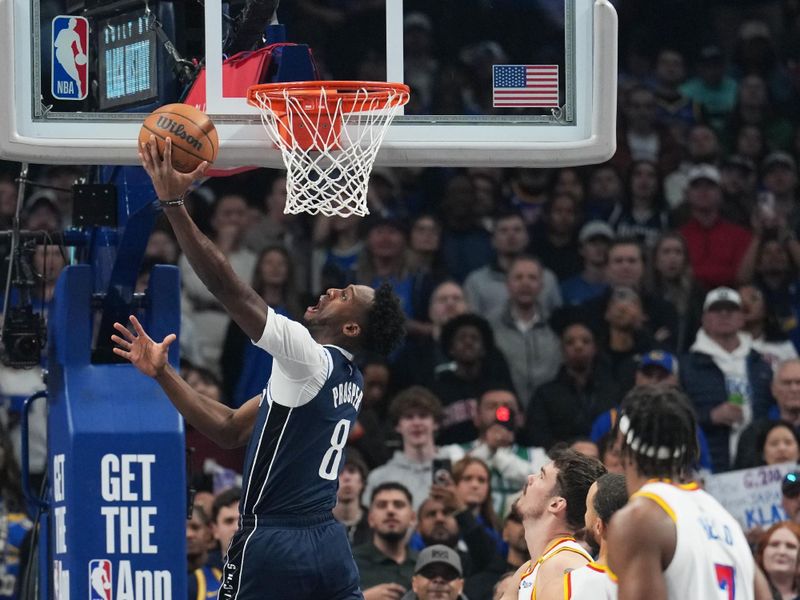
506	83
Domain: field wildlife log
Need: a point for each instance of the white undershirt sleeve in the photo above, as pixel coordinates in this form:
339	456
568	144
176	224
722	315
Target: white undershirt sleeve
300	365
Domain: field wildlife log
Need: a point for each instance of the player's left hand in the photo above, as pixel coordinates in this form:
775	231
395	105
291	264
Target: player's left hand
147	355
168	182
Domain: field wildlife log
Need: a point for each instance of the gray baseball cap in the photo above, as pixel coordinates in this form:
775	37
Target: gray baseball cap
438	554
594	229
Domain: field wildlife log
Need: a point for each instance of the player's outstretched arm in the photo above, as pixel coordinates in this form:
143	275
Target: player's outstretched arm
243	304
226	427
641	543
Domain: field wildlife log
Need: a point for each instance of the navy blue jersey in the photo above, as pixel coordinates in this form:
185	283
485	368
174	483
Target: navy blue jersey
296	452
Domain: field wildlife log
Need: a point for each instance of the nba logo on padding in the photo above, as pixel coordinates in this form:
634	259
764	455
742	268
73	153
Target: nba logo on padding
100	579
70	65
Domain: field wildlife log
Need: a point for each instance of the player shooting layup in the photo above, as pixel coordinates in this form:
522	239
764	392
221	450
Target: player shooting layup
288	545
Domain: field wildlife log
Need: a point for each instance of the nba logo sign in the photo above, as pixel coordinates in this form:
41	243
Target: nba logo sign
70	64
100	579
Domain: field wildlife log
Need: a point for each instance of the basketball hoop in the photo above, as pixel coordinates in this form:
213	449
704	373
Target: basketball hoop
329	133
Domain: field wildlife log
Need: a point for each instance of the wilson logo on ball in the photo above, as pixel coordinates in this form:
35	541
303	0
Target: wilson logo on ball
177	130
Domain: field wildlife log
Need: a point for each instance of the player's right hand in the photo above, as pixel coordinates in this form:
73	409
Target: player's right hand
146	355
385	591
168	182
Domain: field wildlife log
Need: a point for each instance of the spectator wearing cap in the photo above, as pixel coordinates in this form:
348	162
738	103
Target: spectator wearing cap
349	510
485	288
594	238
725	378
653	368
669	277
790	496
565	407
416	414
522	333
702	146
785	389
738	180
642	215
716	246
712	88
475	365
437	575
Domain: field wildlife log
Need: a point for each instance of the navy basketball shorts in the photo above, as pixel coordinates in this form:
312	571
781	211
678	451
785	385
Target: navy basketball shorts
290	558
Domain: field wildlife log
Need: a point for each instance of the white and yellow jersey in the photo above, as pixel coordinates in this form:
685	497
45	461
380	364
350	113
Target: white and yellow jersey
712	558
592	582
527	581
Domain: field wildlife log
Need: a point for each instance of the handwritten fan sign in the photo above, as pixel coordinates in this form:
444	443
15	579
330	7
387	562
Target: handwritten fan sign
752	496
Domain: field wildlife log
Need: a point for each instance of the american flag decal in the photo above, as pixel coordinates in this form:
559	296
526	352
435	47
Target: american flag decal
525	86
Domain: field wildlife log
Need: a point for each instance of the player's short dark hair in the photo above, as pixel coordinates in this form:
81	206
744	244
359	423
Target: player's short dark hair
385	325
576	474
659	431
612	494
450	329
415	398
223	499
388	487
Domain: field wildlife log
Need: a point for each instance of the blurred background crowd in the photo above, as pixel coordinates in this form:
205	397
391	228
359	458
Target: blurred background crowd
535	298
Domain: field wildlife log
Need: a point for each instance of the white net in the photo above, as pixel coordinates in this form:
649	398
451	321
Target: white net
328	142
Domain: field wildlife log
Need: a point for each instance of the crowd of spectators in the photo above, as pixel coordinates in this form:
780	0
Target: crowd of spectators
535	299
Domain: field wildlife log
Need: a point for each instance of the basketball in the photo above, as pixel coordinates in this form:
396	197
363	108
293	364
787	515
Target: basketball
194	137
80	59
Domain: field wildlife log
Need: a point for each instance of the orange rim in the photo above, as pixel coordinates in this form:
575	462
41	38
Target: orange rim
347	92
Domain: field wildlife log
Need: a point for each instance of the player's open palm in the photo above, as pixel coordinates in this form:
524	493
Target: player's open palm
168	182
147	355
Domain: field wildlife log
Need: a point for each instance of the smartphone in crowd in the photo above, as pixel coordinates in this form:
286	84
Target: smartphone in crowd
442	471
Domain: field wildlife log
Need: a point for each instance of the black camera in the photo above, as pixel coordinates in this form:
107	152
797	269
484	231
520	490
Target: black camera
24	337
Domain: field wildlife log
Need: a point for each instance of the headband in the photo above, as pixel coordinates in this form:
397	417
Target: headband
635	443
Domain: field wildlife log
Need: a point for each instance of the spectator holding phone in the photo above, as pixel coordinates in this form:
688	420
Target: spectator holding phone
497	420
416	413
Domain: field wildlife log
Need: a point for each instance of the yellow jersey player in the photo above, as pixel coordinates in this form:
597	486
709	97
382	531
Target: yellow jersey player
592	582
552	508
673	540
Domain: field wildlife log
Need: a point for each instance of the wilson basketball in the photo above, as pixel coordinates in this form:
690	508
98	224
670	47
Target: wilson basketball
194	137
